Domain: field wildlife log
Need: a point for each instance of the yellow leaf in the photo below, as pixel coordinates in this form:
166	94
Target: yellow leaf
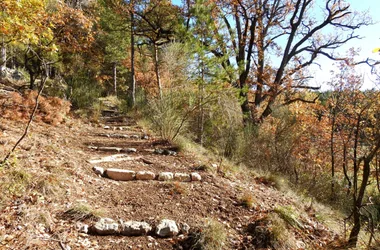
376	50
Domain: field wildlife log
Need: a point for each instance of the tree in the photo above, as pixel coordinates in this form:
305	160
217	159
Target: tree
157	21
288	33
355	134
23	23
113	38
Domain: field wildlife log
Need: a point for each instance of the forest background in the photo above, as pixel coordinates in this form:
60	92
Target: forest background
234	76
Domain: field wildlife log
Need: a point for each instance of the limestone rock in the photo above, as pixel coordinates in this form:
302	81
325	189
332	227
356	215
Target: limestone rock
167	228
165	176
195	177
185	228
135	228
120	174
98	170
110	149
161	151
106	226
182	177
113	158
145	175
129	150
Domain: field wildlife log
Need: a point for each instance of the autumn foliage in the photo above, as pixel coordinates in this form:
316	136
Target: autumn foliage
18	107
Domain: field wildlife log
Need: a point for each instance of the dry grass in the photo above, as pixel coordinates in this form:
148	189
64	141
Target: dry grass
52	110
247	199
81	212
211	237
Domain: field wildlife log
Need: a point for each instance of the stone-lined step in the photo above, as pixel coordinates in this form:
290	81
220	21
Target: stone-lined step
123	136
113	158
113	149
107	226
130	175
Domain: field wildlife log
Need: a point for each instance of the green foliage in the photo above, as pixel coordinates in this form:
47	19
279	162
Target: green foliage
15	182
83	92
280	235
289	215
270	146
223	121
170	115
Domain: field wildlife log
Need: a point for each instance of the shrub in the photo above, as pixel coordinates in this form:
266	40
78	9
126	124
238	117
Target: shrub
247	199
51	110
170	115
212	237
81	212
14	182
271	145
83	92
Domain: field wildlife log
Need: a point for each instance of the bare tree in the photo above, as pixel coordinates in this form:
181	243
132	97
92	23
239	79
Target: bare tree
291	34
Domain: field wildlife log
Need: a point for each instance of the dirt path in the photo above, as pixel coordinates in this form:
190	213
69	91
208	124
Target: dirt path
57	159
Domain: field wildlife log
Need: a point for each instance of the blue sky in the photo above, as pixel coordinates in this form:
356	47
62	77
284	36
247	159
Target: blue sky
370	40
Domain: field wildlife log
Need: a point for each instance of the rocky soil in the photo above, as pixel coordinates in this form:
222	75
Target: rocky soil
52	197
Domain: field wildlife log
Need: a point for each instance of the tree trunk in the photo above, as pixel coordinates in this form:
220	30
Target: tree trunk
3	58
157	69
332	152
133	79
358	203
201	111
32	80
115	78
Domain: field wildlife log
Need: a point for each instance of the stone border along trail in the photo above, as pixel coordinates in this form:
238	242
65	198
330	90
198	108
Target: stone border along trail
108	226
130	175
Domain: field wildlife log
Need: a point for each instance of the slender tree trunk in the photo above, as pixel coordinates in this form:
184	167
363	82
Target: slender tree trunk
3	58
201	110
157	69
115	78
133	78
332	152
345	168
353	239
32	80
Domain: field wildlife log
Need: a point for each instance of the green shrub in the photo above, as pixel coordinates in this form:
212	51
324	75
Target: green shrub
170	115
270	146
83	92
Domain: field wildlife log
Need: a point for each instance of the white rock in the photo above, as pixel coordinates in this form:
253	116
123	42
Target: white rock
129	150
113	158
145	175
83	229
135	228
182	177
98	170
120	174
109	149
106	127
167	228
185	228
106	226
165	176
195	177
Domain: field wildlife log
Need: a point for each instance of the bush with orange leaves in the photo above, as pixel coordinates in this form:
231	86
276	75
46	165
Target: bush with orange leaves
51	110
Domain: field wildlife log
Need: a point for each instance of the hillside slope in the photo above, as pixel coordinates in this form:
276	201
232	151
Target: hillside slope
50	192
